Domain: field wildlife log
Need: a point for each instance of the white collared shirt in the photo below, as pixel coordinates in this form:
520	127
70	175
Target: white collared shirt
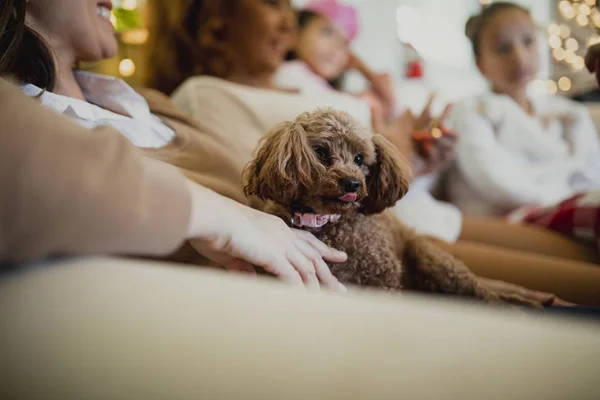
110	101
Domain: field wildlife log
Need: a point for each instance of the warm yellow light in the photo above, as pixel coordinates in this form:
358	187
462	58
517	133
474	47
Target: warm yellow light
551	87
566	9
571	44
569	14
585	9
555	42
126	67
559	54
553	30
570	56
129	4
590	3
113	19
593	40
565	84
539	86
135	36
485	2
582	20
564	31
578	63
564	5
596	19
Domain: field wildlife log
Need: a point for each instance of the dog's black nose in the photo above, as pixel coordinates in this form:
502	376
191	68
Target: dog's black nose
350	185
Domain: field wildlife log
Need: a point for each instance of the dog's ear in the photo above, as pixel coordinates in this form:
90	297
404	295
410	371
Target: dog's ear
388	178
284	167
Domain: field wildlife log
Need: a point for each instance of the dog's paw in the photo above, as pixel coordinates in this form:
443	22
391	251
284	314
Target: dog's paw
520	301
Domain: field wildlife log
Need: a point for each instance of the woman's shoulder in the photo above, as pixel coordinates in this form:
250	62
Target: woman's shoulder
208	82
163	106
198	85
557	104
296	75
207	91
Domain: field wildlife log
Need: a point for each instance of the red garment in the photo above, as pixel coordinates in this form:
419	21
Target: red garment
577	217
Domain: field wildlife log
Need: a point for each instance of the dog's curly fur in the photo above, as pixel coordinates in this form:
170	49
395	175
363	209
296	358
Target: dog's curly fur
298	168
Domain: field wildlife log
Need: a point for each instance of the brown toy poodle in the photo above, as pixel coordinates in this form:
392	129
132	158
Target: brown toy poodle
326	173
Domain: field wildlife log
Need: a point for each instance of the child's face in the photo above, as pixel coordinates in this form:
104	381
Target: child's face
508	52
323	47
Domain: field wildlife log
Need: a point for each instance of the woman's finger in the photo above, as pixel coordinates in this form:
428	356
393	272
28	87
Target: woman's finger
445	113
237	265
304	267
425	118
328	253
430	100
327	278
321	268
285	271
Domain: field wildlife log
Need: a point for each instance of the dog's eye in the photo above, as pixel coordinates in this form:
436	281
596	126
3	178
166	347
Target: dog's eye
322	153
359	160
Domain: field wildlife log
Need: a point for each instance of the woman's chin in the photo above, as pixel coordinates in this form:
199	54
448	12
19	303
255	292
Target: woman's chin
101	46
110	49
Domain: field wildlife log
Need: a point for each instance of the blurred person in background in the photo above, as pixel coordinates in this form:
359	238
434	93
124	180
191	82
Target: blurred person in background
219	60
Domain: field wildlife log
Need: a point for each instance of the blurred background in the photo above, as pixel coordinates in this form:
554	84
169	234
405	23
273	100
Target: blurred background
421	43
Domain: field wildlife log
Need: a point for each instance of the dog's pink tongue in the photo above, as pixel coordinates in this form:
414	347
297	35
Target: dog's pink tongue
349	197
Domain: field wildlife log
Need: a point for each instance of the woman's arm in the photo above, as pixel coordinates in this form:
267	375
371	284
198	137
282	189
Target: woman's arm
381	84
499	175
69	190
401	133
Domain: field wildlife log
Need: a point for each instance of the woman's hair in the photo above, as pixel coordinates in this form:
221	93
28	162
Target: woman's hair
477	23
303	18
23	53
187	38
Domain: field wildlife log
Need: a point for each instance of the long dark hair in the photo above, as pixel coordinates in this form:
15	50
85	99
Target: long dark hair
23	53
476	23
187	38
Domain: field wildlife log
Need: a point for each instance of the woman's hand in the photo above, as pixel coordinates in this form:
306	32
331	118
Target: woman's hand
426	119
238	238
379	116
399	133
382	85
439	157
441	152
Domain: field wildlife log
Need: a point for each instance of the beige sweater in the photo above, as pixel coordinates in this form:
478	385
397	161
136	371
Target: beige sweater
65	189
237	116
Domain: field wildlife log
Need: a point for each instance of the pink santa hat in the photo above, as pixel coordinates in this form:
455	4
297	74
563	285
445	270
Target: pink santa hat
343	16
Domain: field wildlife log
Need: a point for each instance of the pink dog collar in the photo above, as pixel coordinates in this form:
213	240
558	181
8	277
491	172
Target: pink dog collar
313	220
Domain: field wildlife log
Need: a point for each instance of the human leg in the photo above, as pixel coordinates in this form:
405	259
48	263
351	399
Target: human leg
530	239
574	281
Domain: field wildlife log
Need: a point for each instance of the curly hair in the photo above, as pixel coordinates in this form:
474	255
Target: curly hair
23	53
477	23
187	37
